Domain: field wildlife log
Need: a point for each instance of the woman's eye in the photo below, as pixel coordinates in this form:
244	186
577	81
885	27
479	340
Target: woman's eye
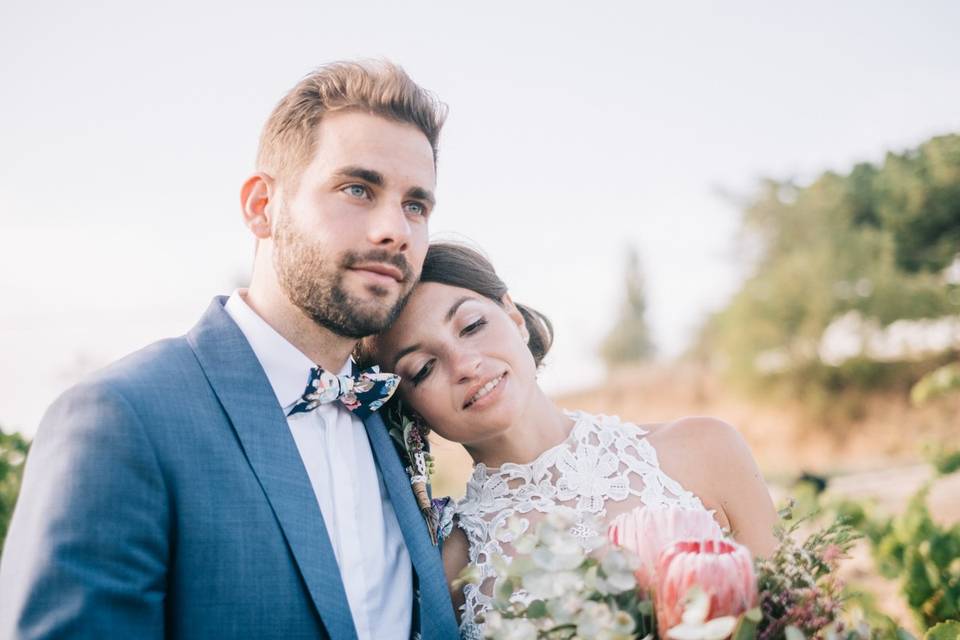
422	374
473	327
356	190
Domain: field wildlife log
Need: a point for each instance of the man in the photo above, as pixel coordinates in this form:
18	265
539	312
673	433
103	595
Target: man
197	488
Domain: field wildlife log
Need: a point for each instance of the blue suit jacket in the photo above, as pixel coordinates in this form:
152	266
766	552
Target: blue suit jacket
166	498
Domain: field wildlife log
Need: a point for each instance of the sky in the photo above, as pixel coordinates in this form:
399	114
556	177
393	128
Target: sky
126	130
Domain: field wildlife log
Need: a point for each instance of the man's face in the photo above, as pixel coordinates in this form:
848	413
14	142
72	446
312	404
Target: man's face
350	238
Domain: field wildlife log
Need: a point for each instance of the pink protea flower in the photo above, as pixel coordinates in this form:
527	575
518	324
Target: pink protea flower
646	531
722	569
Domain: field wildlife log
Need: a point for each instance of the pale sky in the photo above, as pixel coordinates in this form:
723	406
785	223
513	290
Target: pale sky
126	130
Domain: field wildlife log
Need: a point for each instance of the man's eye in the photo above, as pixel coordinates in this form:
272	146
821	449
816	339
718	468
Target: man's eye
473	327
415	208
356	190
422	374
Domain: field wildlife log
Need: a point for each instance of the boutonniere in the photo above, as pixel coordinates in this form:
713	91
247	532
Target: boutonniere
410	437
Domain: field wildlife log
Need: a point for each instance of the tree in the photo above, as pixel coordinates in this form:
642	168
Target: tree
629	340
13	453
877	241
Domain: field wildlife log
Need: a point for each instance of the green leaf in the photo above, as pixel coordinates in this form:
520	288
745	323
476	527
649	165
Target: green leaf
746	628
944	631
537	609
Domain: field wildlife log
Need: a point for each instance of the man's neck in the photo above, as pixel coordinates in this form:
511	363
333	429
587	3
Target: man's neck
325	348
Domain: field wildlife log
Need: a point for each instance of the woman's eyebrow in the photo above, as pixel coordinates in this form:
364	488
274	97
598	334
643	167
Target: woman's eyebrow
452	311
453	308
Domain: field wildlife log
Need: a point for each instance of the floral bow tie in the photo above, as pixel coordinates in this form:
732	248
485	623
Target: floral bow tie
363	392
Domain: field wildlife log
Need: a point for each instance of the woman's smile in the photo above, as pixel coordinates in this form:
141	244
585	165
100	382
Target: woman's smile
487	393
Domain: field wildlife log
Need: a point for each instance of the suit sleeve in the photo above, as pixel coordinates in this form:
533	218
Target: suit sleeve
87	551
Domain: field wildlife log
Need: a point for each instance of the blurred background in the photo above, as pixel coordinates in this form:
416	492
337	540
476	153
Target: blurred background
743	209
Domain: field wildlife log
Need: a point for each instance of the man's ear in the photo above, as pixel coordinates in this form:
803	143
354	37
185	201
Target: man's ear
516	316
255	196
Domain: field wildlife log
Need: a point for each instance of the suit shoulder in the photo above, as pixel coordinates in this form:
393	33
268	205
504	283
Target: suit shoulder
157	370
150	366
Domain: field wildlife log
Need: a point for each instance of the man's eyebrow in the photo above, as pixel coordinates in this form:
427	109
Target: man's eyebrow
447	318
419	193
367	175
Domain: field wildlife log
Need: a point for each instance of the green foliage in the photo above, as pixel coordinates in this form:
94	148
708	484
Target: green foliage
922	554
944	631
629	341
945	461
939	382
875	241
13	453
797	583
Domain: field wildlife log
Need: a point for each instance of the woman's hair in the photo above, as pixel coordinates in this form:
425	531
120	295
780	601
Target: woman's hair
458	265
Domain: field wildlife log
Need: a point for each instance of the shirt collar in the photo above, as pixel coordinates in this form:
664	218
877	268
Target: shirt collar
287	368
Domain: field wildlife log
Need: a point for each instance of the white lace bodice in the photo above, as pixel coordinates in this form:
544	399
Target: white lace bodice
604	467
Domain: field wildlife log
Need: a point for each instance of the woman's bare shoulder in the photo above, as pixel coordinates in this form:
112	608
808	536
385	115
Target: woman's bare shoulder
695	431
711	458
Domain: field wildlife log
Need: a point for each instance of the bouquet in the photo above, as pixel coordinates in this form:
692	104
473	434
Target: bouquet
666	573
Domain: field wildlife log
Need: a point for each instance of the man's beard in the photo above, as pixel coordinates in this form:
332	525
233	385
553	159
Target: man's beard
314	283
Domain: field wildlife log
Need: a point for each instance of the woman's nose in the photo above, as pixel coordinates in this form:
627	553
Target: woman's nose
468	366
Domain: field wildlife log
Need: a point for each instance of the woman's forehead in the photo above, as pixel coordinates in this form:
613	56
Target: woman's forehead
426	311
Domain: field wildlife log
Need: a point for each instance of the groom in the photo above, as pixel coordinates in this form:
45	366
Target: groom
192	489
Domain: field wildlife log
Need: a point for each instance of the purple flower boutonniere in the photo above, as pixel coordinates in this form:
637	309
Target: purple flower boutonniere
410	437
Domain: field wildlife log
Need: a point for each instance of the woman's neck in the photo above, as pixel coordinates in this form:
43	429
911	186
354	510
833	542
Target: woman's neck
542	426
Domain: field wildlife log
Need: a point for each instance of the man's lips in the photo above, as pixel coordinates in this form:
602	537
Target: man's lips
381	269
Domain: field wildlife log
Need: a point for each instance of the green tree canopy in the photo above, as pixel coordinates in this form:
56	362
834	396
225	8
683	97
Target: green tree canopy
13	453
875	241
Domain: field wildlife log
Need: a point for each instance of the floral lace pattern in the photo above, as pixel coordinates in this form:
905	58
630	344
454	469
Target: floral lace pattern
604	465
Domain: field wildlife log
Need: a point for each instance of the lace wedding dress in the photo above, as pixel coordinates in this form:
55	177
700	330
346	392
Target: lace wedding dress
604	467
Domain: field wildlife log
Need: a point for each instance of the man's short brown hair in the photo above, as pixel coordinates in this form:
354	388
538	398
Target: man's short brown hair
382	88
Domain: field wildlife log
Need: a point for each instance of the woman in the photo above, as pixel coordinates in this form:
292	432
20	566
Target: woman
468	357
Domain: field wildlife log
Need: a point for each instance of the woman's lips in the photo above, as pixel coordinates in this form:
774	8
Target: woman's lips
488	394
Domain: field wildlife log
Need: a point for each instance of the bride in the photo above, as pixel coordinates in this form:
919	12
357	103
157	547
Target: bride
468	357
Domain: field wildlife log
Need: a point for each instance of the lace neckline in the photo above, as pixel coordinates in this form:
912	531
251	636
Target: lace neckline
580	423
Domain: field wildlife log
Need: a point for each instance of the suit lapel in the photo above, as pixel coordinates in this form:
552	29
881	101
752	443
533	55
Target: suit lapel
436	619
245	393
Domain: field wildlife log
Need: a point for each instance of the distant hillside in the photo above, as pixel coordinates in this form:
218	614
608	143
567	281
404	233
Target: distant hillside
885	431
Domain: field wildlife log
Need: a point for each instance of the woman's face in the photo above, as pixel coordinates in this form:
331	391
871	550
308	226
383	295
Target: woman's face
463	359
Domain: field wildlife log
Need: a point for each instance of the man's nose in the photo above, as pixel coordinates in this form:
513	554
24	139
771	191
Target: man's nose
390	227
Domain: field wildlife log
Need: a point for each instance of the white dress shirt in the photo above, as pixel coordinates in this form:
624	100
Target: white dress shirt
363	528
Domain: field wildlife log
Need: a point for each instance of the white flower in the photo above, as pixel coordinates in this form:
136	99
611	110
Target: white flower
594	619
564	608
619	572
508	628
542	585
695	626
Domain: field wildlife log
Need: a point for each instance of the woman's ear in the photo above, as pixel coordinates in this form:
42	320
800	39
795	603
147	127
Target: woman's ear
516	316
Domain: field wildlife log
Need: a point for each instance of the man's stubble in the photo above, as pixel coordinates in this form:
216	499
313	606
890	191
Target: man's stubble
313	282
